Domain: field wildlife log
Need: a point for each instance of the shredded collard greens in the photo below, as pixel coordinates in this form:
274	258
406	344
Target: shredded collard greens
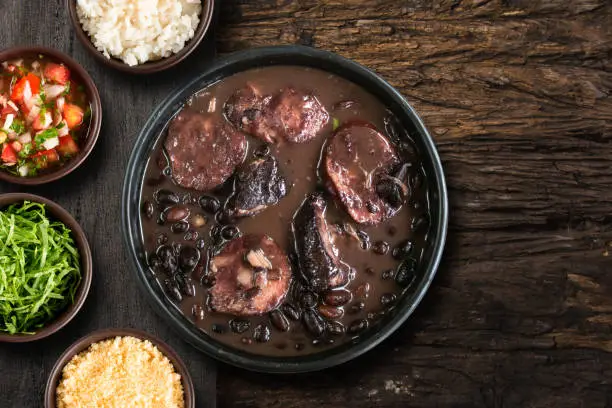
39	268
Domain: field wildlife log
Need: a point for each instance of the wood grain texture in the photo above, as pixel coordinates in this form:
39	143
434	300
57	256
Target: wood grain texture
92	194
517	96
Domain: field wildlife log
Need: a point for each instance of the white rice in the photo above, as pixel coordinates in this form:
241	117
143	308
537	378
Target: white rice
137	31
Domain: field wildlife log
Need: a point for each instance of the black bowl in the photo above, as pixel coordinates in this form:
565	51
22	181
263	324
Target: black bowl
327	61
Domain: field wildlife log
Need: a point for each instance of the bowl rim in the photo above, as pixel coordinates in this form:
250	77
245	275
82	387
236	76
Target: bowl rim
131	211
58	212
206	19
96	113
104	334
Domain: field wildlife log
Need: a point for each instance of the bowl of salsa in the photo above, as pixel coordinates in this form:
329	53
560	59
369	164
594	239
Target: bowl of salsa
50	115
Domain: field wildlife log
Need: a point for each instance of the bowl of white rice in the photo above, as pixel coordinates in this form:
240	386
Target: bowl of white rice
141	36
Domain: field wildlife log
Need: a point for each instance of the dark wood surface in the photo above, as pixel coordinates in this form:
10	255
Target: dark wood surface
516	94
92	195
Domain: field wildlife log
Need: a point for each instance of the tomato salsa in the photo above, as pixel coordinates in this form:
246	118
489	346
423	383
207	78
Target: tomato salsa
44	116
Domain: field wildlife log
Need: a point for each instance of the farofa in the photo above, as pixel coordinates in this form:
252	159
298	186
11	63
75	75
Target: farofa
118	373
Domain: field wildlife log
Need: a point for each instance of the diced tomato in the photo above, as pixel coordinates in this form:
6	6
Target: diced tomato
73	115
8	154
19	88
16	146
44	158
11	68
67	146
57	73
6	110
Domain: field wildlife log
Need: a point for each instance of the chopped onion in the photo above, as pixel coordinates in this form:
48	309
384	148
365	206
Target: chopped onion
34	112
25	138
8	121
27	92
53	91
23	170
63	131
51	143
12	105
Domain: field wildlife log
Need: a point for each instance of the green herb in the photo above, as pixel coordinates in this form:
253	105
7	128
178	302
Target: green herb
39	268
87	114
40	138
60	125
26	150
67	90
43	95
336	123
17	126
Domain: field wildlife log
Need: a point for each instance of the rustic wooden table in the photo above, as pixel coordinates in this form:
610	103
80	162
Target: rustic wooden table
517	96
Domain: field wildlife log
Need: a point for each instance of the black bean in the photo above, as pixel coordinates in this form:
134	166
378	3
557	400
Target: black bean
161	219
162	239
186	199
229	232
168	259
365	240
262	151
291	311
224	217
218	328
356	307
406	273
388	299
335	328
173	291
148	209
358	326
191	235
338	297
416	181
189	287
176	213
154	262
179	227
387	274
380	248
331	312
201	243
198	312
403	250
167	172
308	300
419	224
390	191
188	258
239	325
261	333
314	324
166	197
210	204
279	320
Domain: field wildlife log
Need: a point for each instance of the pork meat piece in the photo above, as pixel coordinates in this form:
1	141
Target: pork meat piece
317	256
204	151
359	163
258	184
252	275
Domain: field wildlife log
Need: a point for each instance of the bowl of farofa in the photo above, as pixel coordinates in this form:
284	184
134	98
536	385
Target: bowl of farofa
139	41
120	365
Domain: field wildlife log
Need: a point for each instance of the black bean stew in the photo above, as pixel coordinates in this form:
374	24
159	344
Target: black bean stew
282	213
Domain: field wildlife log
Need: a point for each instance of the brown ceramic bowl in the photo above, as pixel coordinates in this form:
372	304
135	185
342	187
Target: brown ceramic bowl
82	77
58	213
85	342
206	18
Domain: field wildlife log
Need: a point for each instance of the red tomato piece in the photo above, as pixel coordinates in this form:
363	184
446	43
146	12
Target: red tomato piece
73	115
19	88
57	73
42	121
44	158
16	146
67	146
8	154
7	110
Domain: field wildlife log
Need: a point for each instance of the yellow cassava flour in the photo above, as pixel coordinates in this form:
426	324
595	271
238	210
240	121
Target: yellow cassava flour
118	373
